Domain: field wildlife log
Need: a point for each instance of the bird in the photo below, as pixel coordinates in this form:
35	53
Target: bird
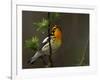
55	41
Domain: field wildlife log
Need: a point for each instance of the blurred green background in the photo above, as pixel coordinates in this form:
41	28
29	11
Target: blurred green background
74	50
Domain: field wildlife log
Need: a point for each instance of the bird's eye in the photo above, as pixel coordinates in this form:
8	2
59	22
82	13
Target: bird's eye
54	29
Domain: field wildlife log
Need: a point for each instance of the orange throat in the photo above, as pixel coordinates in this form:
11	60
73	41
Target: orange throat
58	36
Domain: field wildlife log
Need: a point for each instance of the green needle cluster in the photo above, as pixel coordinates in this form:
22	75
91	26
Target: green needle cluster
41	25
32	43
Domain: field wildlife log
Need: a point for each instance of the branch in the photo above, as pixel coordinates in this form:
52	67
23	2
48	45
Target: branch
50	48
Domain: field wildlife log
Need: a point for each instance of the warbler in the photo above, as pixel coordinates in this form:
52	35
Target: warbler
55	41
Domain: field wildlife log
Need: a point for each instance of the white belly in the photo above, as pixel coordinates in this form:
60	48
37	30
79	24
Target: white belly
46	48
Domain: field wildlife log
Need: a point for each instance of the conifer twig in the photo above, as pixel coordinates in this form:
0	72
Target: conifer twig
50	48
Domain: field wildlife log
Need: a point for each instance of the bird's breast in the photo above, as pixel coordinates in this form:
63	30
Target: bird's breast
54	45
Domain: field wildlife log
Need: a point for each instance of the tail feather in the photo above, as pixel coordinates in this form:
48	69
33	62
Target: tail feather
35	57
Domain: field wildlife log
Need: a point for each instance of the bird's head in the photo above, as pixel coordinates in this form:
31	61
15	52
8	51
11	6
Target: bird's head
56	31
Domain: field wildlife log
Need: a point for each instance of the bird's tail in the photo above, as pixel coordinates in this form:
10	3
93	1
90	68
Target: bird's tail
34	58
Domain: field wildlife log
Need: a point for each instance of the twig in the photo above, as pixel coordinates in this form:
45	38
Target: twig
50	48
